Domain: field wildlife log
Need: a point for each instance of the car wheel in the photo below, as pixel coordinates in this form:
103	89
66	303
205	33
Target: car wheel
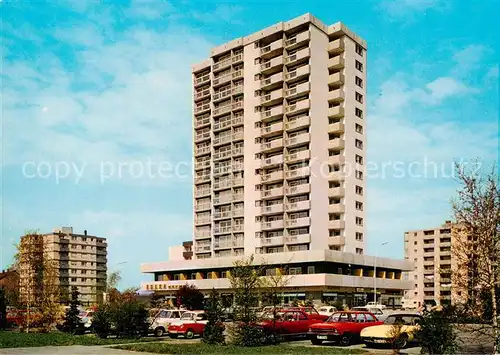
189	334
159	332
401	342
316	341
346	340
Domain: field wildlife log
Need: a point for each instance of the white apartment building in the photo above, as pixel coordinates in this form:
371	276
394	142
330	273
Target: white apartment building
279	151
279	142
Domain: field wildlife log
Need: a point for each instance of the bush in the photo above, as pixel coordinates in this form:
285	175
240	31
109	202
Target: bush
72	322
214	330
101	321
436	334
190	297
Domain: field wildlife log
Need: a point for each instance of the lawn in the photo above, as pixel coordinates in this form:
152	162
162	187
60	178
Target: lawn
22	340
200	348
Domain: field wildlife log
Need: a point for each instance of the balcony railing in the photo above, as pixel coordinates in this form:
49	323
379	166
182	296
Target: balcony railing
298	72
298	239
298	206
298	106
275	175
202	80
298	156
337	46
222	155
202	150
298	173
298	189
201	108
272	224
299	139
275	160
276	192
274	144
298	39
201	94
276	127
276	208
271	113
270	241
203	248
222	110
273	80
201	122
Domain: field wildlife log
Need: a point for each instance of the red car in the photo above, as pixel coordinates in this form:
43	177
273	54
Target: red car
342	327
288	322
311	312
190	324
16	316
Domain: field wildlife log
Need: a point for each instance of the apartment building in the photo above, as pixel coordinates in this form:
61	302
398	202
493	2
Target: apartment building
279	151
279	142
430	250
80	259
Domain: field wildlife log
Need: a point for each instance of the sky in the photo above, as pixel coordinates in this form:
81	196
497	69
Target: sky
96	112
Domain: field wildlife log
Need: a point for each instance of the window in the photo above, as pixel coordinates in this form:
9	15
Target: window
359	221
359	159
359	113
369	317
358	81
359	128
359	49
359	65
295	271
359	97
359	251
223	274
359	190
359	206
359	175
359	236
358	144
310	269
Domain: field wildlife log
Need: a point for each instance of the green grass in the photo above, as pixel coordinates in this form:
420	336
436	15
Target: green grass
22	340
200	348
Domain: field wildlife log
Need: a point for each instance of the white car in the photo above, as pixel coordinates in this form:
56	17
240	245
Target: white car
379	313
375	305
162	319
327	310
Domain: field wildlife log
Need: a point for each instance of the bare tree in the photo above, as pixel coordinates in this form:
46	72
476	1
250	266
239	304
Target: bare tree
476	243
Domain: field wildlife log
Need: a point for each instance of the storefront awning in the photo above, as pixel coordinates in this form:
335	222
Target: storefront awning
330	294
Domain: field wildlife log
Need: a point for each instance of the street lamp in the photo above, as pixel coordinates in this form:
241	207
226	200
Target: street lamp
375	275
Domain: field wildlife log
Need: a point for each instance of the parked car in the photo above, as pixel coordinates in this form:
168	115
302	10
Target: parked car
16	316
310	311
190	324
380	314
160	321
263	311
381	334
375	305
327	310
86	319
288	322
343	327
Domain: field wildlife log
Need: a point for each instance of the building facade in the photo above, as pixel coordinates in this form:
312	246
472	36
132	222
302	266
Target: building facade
80	260
279	151
279	142
430	250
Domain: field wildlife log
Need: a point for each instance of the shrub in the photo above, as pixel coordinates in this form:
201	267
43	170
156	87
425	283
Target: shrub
436	334
190	297
101	321
214	329
72	322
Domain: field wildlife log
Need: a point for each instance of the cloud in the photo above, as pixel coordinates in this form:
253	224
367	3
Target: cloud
408	8
222	13
468	59
443	88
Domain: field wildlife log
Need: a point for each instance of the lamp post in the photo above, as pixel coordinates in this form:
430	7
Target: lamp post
375	275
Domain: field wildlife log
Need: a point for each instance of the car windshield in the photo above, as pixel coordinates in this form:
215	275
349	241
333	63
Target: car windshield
339	318
324	309
270	315
187	316
401	319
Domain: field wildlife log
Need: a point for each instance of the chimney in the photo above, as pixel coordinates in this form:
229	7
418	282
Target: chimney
85	232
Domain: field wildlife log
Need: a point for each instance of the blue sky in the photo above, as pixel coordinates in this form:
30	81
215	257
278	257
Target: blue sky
91	89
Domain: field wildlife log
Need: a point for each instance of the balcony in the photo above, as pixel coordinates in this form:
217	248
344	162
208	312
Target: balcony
272	98
336	160
337	127
298	222
223	64
272	161
199	95
298	239
272	65
221	170
336	112
238	212
238	197
298	173
221	125
298	90
272	82
298	140
336	143
222	79
337	46
336	241
222	184
202	234
277	208
297	40
271	129
205	79
237	182
336	208
276	144
202	137
220	110
237	90
297	107
220	200
237	120
201	108
202	193
202	150
274	112
202	248
301	55
298	189
300	122
218	140
272	193
237	105
238	136
272	49
336	79
299	156
201	122
237	58
222	215
201	178
203	207
336	192
336	63
223	245
222	155
272	177
202	164
298	73
429	262
272	225
336	96
237	74
218	96
336	224
201	221
266	242
222	230
336	176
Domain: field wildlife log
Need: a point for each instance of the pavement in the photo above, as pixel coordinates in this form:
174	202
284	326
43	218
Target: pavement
66	350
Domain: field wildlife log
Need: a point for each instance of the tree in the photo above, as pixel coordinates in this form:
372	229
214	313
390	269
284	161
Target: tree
436	334
72	322
190	297
476	246
214	329
158	301
3	309
113	280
